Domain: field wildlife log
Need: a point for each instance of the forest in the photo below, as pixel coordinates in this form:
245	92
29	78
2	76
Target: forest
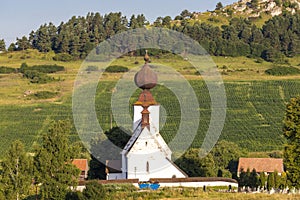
74	39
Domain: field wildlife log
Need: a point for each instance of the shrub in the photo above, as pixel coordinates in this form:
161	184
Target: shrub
6	70
44	95
91	68
37	77
94	191
116	69
282	71
63	57
47	68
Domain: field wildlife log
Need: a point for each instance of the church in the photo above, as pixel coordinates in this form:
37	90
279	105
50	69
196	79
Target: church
146	155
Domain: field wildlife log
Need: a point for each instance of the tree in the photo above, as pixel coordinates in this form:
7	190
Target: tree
270	181
291	132
17	175
23	43
219	6
53	162
226	155
194	165
94	191
253	179
2	45
262	179
12	47
185	14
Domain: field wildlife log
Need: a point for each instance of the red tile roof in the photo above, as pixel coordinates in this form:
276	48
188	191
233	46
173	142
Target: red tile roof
81	164
261	164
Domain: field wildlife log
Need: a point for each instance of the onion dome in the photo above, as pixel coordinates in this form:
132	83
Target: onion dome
146	78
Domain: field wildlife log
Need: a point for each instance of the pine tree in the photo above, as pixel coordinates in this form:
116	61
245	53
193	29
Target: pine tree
53	162
291	131
23	43
270	181
2	45
219	6
17	175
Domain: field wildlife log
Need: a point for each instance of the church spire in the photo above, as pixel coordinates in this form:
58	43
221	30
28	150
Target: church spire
145	79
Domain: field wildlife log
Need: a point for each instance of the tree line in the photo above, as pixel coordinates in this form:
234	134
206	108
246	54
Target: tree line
277	38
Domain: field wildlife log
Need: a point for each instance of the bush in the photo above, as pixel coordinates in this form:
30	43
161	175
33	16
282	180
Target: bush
116	69
44	95
7	70
63	57
94	191
47	68
37	77
91	68
282	71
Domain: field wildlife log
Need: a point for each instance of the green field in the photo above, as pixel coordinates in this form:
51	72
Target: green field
255	101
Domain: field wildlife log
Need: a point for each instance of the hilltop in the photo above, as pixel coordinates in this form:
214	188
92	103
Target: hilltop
258	11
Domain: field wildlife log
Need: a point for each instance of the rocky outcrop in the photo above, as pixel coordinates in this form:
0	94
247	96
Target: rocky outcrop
271	7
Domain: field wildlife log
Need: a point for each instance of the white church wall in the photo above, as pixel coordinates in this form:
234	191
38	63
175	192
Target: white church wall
114	176
148	159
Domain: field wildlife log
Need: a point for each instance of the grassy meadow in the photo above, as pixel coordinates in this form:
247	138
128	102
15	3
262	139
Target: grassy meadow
255	101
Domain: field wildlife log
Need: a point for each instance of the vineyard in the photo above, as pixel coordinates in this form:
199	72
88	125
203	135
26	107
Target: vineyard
255	111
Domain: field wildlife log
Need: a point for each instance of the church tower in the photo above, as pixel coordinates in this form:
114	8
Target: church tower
146	154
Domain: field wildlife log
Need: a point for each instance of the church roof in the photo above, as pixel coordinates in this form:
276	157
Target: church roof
261	164
134	137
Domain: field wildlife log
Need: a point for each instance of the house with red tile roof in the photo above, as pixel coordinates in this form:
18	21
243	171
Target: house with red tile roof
266	165
82	164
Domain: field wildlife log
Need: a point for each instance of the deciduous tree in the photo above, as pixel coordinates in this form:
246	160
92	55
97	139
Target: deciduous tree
291	132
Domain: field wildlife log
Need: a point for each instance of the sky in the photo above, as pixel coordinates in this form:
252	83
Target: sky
20	17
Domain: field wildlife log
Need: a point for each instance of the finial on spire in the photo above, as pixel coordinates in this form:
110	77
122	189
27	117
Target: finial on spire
146	57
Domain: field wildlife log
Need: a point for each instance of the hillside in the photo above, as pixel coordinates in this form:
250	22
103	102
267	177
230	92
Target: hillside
255	100
258	11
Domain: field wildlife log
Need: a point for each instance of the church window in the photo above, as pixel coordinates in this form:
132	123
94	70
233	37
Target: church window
147	166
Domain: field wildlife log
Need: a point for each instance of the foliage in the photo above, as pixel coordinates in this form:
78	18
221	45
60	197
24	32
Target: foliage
37	73
44	95
270	181
194	165
91	68
37	77
65	57
116	69
2	45
219	6
75	38
226	155
17	173
291	132
282	71
7	70
46	68
53	162
94	191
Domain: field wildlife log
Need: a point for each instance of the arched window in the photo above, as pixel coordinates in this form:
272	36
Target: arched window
147	166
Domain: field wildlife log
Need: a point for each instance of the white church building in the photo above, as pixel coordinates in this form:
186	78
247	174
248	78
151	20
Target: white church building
146	155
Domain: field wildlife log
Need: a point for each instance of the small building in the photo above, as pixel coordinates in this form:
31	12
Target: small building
82	164
266	165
